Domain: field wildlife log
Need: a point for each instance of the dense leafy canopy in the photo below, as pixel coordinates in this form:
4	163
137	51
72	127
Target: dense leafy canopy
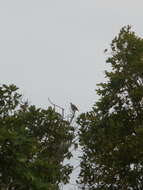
111	135
33	144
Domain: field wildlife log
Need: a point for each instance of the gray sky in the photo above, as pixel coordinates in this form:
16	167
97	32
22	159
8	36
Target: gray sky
54	48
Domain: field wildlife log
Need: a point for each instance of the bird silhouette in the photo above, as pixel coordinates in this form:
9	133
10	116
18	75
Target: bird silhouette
73	107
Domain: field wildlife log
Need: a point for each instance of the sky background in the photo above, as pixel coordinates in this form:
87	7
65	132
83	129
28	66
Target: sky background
55	48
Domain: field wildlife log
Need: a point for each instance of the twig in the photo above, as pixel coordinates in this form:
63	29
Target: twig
55	105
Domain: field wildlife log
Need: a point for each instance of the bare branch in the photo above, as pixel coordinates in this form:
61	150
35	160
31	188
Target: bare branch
55	105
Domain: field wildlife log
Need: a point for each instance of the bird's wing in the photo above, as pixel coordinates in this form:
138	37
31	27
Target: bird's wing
75	107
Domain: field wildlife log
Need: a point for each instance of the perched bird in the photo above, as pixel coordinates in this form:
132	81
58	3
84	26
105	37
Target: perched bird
73	107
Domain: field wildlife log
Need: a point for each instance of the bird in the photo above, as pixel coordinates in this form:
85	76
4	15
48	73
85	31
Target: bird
73	107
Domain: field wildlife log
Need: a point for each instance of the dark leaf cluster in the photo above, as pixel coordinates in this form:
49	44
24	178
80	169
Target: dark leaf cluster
111	135
33	144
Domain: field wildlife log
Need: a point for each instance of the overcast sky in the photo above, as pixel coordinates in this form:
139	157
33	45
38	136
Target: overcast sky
54	48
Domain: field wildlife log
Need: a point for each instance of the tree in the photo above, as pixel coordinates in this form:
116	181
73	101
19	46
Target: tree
33	144
111	134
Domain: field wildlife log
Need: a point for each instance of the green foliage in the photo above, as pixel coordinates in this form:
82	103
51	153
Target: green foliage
33	144
111	135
